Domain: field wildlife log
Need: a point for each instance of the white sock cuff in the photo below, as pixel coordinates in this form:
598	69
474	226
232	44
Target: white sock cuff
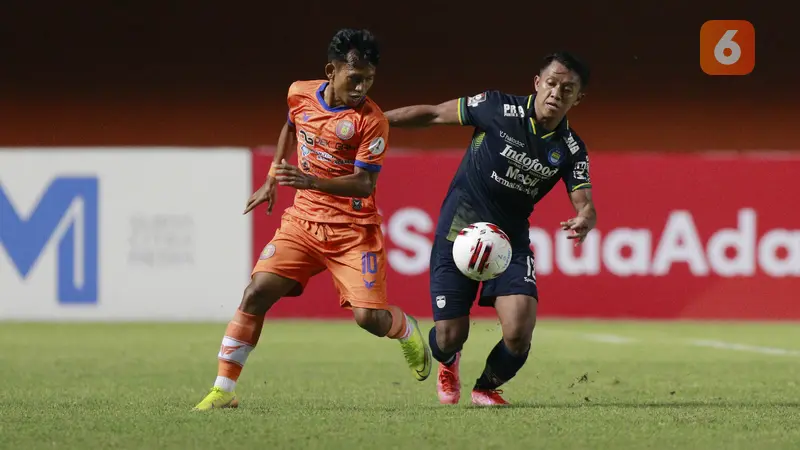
407	333
225	383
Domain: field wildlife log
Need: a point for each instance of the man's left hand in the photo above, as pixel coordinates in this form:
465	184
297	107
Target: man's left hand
292	176
579	226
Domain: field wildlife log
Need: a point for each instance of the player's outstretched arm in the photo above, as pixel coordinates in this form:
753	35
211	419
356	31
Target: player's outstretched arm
267	192
287	141
584	205
419	116
586	215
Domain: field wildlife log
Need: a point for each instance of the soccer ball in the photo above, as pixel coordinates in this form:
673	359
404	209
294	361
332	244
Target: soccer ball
482	251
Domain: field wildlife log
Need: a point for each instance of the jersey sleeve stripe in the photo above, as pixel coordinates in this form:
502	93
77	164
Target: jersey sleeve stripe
462	120
367	166
289	118
582	186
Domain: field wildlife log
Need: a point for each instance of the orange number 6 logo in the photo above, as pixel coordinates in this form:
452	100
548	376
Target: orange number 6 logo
727	47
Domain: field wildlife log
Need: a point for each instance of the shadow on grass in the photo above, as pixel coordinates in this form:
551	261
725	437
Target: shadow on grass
656	404
404	409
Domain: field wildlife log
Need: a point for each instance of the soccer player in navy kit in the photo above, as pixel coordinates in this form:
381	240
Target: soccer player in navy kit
521	147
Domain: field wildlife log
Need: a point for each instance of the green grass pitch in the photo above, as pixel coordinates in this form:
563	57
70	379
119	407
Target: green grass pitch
587	385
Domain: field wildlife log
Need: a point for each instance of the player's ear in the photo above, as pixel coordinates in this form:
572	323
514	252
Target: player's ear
580	97
330	69
536	80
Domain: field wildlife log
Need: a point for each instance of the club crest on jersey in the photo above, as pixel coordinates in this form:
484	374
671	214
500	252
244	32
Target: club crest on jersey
475	100
345	129
357	204
269	250
554	156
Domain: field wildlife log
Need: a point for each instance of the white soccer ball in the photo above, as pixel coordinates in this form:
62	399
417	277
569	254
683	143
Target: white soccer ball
482	251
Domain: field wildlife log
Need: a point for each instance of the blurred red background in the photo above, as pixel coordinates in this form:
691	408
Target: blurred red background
203	73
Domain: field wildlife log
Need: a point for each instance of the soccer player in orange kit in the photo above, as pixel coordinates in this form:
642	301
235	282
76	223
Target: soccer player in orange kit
334	223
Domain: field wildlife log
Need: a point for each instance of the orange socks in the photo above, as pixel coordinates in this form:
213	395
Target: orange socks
401	328
241	337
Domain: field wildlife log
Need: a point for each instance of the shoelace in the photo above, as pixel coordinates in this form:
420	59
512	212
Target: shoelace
491	392
448	379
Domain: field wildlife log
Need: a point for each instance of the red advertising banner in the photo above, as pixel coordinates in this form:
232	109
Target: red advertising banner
693	236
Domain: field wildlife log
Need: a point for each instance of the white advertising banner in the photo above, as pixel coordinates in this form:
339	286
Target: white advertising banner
123	233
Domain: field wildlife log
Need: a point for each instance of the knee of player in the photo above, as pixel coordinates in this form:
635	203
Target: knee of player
251	299
258	295
518	339
368	319
452	334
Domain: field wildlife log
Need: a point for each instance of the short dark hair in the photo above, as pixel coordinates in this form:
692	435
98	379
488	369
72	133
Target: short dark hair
572	63
350	44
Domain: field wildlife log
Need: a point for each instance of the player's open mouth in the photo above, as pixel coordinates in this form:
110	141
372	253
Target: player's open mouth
551	106
356	97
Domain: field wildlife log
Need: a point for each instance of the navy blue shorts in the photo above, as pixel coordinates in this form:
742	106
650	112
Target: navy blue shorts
452	293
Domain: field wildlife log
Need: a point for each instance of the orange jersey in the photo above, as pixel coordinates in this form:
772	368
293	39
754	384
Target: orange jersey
332	142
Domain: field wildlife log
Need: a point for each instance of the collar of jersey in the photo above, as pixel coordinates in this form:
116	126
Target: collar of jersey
324	104
561	128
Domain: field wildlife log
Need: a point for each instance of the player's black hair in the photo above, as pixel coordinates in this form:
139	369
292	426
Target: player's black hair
572	63
349	43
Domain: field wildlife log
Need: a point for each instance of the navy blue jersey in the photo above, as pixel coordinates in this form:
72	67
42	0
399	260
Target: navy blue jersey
510	165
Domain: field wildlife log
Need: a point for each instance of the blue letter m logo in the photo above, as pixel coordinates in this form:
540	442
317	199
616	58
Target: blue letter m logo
67	212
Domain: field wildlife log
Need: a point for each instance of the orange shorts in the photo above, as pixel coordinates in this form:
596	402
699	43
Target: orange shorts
354	254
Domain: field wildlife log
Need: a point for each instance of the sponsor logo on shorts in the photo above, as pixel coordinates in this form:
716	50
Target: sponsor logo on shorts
269	250
530	274
441	301
345	129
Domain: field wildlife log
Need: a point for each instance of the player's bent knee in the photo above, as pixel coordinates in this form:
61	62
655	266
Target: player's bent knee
376	321
263	291
451	334
364	317
517	314
518	343
518	336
